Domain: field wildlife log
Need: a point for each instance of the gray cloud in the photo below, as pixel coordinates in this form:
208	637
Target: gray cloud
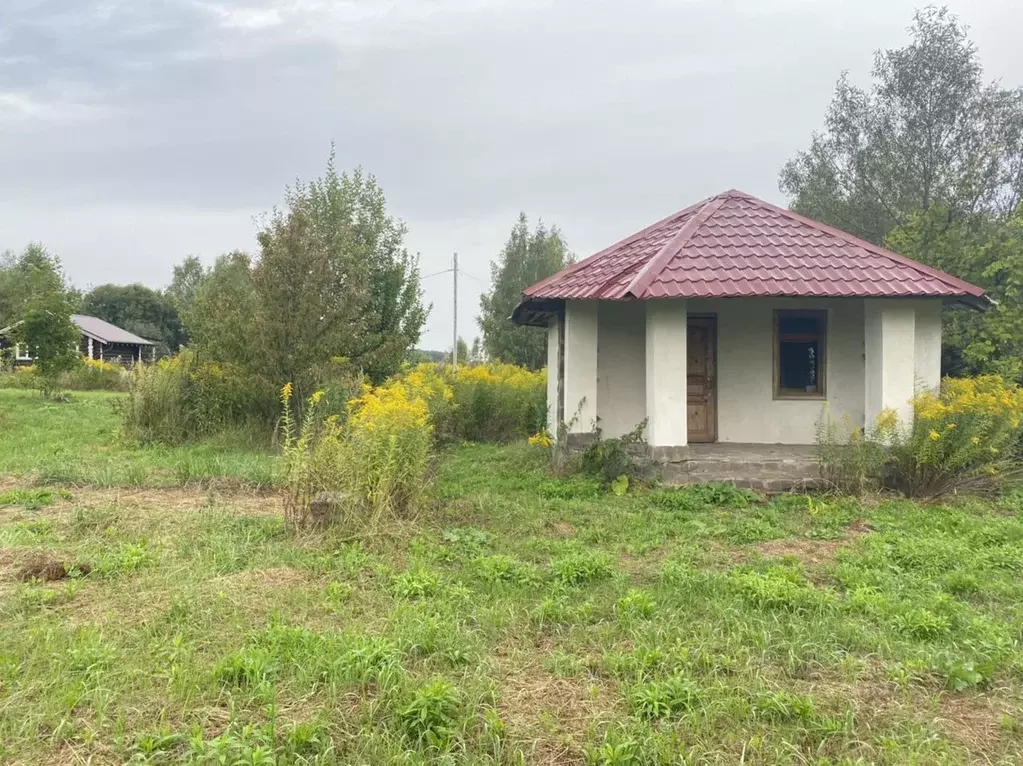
134	132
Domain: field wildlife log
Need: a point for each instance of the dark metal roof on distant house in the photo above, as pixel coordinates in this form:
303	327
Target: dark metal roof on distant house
734	245
107	333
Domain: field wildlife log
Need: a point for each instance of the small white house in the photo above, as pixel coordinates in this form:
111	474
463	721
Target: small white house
737	321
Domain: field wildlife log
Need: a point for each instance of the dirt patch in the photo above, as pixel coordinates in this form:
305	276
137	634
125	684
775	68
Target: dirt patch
812	552
551	712
35	565
807	551
973	721
563	528
264	579
180	498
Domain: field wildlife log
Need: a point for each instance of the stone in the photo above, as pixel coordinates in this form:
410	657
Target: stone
327	508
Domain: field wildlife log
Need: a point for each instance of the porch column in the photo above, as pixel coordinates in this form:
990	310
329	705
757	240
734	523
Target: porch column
666	335
889	341
554	416
581	366
90	348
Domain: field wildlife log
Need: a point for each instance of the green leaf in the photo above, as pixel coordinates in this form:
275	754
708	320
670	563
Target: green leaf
620	485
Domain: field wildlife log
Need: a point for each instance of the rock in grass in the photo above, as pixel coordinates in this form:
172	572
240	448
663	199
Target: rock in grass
327	508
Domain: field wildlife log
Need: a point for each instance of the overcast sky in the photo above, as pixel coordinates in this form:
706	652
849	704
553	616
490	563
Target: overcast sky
136	132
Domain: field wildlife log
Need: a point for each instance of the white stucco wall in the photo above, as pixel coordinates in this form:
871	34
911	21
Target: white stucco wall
927	346
628	360
581	365
665	377
747	409
890	348
621	366
552	376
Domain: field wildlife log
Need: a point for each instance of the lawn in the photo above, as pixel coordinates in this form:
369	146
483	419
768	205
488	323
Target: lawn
520	619
76	443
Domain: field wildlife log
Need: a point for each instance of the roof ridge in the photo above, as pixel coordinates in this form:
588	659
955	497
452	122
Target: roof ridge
620	243
948	279
656	265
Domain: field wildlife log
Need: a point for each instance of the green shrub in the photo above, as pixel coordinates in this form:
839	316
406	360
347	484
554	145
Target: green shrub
659	699
965	438
577	568
607	459
178	400
96	375
431	715
699	497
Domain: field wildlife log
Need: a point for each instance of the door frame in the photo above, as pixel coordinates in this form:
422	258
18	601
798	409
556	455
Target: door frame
709	320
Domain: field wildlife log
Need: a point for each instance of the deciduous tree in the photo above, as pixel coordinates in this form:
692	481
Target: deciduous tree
527	257
989	254
929	132
43	308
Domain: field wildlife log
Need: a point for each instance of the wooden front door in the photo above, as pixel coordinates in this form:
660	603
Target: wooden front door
701	373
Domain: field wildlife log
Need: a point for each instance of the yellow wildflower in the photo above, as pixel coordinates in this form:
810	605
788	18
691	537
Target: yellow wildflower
316	398
975	440
540	439
934	435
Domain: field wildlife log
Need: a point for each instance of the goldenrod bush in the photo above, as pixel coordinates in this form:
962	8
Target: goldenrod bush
389	436
87	375
489	402
20	377
377	461
96	375
964	438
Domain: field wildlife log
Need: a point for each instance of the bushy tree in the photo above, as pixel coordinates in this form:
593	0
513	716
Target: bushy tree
43	306
928	133
527	257
138	309
332	285
220	323
189	276
988	253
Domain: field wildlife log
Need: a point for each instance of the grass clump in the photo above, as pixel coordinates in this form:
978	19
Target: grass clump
701	497
32	499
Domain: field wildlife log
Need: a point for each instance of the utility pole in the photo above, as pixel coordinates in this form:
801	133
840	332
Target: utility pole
454	344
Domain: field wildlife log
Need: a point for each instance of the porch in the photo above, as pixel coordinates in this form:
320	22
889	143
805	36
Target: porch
760	467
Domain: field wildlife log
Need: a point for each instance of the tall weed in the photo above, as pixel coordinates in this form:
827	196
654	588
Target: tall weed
179	399
376	462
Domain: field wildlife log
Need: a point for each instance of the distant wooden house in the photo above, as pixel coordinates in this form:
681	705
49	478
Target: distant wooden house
99	340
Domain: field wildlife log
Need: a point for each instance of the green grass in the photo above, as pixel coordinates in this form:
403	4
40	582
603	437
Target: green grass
521	619
76	443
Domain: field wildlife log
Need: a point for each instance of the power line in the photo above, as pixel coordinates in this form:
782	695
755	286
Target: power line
436	274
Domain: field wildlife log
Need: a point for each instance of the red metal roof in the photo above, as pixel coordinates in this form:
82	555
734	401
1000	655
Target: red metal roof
737	246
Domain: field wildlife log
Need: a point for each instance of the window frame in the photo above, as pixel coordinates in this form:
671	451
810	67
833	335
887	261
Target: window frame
821	315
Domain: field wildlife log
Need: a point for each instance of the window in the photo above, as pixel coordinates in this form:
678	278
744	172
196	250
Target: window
799	353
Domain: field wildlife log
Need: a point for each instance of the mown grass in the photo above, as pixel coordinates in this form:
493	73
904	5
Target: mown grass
520	619
77	443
